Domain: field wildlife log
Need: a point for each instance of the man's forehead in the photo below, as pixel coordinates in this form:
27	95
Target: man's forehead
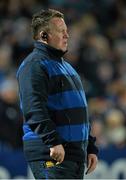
57	21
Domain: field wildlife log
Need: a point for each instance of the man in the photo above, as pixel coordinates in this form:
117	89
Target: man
56	127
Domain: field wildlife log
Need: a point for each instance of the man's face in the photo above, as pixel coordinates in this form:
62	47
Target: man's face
58	35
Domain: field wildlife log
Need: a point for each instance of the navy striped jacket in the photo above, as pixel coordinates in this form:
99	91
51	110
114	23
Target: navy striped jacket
54	106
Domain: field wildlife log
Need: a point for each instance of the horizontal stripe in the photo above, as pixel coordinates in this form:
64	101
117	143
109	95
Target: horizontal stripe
28	133
60	83
68	132
57	68
67	99
74	132
73	115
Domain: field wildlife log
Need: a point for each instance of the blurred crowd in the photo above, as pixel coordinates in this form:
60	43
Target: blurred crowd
97	50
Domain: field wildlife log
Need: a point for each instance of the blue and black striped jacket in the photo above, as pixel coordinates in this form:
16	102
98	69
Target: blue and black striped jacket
54	106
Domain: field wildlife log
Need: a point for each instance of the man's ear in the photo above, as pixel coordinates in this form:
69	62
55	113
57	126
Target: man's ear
44	36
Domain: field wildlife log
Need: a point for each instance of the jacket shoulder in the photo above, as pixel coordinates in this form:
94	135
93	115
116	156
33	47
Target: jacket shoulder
32	61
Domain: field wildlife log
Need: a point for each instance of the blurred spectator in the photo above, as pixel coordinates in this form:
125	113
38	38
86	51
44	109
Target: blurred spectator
115	129
5	60
10	118
98	130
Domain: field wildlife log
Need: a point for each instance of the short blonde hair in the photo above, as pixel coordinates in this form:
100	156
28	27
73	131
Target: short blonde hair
40	21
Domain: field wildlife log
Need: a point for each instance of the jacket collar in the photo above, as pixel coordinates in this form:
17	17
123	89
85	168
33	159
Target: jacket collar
52	52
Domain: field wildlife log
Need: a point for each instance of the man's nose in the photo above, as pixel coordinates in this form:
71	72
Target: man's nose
66	35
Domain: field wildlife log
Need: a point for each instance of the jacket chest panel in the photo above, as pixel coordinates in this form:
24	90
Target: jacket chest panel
62	83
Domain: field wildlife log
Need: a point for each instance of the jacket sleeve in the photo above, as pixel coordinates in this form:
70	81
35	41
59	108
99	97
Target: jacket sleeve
33	88
92	148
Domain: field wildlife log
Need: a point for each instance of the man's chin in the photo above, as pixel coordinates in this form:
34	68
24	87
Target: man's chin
65	50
